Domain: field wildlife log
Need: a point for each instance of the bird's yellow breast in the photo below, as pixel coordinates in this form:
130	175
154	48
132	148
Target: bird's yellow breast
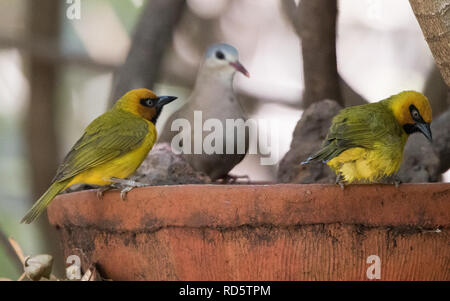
120	167
367	165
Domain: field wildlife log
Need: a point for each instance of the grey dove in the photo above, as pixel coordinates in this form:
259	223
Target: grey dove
213	95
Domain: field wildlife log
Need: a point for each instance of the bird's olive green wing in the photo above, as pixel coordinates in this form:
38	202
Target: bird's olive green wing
111	135
358	126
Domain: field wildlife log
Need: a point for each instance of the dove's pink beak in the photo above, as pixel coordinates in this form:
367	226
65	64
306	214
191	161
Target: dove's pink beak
238	66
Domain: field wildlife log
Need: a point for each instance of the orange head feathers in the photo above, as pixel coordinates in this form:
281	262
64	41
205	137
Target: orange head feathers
412	111
144	103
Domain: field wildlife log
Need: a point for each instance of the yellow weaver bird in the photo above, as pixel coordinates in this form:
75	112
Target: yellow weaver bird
112	146
365	143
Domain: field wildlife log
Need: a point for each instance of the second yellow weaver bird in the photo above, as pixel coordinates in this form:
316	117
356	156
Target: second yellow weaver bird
112	146
365	143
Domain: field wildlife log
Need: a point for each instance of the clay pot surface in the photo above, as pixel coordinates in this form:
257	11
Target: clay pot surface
259	232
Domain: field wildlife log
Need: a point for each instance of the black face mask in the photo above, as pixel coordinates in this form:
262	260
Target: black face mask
419	126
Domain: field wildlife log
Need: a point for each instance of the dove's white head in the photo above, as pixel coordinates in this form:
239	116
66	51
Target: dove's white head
223	60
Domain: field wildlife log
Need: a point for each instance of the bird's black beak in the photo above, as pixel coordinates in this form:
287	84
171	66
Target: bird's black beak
163	100
425	129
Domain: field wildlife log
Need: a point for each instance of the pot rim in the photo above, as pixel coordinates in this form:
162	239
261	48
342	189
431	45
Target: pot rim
424	205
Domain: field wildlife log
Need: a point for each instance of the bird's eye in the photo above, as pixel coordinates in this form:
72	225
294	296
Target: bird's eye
415	114
148	102
220	55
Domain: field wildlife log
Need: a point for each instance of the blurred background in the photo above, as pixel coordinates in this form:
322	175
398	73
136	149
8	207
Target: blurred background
58	71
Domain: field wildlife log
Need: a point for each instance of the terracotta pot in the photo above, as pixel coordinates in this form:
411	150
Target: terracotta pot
260	232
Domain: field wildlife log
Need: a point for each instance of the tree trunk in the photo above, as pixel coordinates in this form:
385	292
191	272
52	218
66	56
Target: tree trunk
315	23
42	139
43	19
434	20
151	39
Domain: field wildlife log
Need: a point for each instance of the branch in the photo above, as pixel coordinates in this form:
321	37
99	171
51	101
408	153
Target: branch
433	17
350	96
14	255
151	39
47	50
315	23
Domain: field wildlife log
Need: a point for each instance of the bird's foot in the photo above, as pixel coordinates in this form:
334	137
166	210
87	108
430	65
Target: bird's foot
124	192
126	185
397	182
101	191
231	179
340	181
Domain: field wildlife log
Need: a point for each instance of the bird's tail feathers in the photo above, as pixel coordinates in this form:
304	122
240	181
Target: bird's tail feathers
40	205
309	159
325	154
